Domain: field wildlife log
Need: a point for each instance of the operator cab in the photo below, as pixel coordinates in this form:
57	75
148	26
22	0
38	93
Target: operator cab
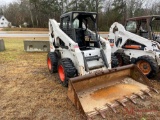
79	26
145	26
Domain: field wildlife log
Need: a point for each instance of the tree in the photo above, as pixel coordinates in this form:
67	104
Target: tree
37	12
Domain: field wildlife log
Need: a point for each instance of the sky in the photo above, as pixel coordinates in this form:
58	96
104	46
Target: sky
4	2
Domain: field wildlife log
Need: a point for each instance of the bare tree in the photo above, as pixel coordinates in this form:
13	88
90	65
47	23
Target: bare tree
37	12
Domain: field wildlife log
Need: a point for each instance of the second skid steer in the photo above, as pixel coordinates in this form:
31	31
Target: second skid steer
145	26
132	48
83	61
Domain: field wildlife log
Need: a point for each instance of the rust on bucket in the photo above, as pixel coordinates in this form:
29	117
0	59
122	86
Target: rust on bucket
94	93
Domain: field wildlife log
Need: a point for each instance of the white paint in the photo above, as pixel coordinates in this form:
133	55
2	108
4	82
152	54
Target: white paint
75	53
3	22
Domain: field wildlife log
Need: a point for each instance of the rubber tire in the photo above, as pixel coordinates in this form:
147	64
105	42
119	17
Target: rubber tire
125	59
114	62
153	65
69	70
54	62
120	59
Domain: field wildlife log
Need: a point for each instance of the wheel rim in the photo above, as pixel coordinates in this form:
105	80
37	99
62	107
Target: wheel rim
61	73
144	66
49	64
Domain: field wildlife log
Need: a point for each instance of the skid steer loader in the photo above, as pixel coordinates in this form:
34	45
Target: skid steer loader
83	60
131	48
75	48
145	26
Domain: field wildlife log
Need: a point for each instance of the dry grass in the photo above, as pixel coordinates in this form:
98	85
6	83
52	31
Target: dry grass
28	91
25	29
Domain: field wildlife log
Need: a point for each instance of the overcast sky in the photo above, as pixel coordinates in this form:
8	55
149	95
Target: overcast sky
3	2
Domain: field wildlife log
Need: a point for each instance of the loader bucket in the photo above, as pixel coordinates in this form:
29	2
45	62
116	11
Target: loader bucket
95	93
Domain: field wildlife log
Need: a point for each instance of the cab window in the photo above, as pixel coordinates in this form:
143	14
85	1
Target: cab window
76	23
65	23
131	26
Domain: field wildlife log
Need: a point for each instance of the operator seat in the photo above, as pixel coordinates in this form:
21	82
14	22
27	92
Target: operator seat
80	37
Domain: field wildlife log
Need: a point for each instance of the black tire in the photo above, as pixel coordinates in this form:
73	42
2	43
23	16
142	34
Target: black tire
114	62
122	59
52	62
150	65
126	59
66	70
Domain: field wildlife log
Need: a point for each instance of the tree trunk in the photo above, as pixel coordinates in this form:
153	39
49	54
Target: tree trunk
31	15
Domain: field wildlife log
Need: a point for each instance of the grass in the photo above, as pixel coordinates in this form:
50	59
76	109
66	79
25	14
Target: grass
27	89
29	92
14	49
25	29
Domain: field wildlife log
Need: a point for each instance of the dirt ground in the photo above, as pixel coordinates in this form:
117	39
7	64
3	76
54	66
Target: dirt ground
28	91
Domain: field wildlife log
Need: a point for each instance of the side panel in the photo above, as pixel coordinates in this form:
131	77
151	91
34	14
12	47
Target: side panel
137	53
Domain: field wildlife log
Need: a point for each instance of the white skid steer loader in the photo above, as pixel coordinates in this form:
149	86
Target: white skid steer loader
75	48
83	60
131	48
